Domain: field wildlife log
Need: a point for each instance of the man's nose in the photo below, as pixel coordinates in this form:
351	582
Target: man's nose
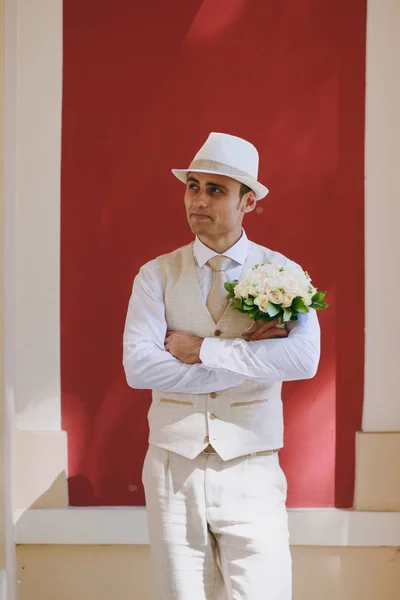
201	199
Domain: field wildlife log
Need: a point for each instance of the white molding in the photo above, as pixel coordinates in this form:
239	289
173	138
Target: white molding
3	585
9	56
128	525
36	215
381	410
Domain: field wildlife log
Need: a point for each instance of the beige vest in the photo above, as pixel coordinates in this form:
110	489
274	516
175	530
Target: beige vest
236	421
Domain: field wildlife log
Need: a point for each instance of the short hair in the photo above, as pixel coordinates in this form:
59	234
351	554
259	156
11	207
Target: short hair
244	189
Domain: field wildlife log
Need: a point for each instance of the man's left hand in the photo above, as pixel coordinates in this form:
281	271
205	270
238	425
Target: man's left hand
184	346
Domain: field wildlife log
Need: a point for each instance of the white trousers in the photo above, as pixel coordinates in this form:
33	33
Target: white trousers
218	529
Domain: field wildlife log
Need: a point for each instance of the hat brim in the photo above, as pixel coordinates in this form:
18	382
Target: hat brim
260	190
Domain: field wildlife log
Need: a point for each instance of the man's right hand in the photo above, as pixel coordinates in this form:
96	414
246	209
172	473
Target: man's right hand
266	331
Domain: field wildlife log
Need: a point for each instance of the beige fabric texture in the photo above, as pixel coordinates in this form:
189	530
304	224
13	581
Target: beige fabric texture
230	420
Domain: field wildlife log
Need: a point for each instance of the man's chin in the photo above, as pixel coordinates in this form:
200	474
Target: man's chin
199	228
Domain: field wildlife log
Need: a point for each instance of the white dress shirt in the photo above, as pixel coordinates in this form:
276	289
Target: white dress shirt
225	363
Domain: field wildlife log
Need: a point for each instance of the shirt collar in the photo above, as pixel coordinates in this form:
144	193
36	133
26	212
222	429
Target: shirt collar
238	252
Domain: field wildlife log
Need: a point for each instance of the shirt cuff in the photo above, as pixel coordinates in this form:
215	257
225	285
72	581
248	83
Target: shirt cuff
215	354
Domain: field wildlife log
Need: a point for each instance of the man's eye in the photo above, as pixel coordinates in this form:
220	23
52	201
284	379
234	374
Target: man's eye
216	190
193	186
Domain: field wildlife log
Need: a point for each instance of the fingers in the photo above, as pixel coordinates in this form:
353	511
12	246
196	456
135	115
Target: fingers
168	340
272	332
261	326
255	325
171	331
170	337
270	325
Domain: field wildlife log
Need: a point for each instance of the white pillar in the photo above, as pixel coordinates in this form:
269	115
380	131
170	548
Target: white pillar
378	445
8	53
33	253
37	215
382	218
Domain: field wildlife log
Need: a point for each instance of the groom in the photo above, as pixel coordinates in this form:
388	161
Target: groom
215	492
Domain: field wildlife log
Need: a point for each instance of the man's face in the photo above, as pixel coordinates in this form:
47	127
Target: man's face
213	204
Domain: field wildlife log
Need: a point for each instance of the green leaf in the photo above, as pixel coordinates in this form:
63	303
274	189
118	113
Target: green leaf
272	309
287	314
230	288
299	306
267	319
249	301
318	301
318	297
319	305
237	302
298	301
302	309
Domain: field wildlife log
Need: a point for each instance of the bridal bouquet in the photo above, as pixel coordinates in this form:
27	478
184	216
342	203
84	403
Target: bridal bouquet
272	291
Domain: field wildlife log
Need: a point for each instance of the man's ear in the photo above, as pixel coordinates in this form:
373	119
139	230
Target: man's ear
249	202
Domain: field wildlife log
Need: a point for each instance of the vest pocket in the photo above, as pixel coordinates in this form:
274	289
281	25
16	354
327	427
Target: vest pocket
249	403
250	411
178	402
169	406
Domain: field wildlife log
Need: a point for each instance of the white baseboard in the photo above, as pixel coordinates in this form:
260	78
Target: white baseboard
3	585
128	525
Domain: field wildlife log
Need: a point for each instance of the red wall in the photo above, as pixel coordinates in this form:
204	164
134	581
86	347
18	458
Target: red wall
144	84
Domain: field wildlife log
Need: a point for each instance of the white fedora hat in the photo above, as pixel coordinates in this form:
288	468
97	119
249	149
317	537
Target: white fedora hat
224	154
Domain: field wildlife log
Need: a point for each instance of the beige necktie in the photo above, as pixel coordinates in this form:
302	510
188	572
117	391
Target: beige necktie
217	301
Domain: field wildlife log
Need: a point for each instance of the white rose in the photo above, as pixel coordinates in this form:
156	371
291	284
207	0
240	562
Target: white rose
263	286
275	296
272	284
290	285
262	302
255	279
287	300
242	290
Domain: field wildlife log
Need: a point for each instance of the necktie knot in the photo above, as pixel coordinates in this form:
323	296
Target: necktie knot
219	263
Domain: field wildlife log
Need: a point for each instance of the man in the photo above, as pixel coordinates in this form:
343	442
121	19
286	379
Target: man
215	492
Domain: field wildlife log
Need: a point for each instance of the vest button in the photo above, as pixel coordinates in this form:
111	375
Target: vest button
213	395
206	439
212	416
217	332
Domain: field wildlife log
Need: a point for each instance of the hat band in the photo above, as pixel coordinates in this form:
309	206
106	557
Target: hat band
213	165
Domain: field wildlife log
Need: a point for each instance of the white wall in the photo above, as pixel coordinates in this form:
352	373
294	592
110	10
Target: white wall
37	214
382	218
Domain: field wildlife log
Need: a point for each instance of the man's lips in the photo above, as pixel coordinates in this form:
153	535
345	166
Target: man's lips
200	217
